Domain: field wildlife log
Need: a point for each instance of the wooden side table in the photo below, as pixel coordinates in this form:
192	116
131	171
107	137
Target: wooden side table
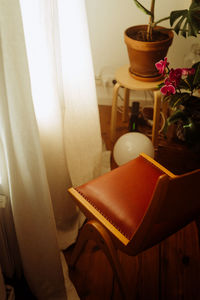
124	79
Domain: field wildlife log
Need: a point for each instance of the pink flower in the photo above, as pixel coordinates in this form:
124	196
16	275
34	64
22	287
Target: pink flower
175	76
161	65
168	88
188	71
167	81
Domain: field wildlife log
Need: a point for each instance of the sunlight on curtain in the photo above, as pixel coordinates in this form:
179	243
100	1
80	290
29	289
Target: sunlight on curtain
40	166
63	83
25	178
67	150
82	130
64	100
39	27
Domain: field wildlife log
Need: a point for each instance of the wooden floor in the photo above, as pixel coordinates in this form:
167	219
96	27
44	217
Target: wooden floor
169	271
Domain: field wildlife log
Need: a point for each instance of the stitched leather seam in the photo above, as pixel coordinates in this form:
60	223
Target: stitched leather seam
107	218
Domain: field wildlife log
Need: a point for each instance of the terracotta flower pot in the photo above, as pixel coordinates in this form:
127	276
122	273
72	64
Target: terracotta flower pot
143	55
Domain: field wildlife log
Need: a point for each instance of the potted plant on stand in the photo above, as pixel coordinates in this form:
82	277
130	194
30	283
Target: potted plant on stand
181	90
148	44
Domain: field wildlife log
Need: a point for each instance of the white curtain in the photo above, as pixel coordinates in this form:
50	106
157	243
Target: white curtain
50	133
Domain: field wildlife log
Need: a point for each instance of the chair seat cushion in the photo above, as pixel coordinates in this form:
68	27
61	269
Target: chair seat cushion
123	195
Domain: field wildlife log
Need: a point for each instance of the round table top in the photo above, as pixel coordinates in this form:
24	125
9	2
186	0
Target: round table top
124	78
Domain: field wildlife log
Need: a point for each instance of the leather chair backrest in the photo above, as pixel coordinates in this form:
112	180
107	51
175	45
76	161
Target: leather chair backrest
174	204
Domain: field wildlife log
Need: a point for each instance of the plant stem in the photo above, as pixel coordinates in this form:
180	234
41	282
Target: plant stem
161	20
151	21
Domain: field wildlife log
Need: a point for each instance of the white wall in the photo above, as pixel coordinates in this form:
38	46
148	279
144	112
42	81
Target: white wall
107	21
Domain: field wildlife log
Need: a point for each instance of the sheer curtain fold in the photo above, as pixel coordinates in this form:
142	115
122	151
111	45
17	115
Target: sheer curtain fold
39	35
65	102
82	131
26	175
50	131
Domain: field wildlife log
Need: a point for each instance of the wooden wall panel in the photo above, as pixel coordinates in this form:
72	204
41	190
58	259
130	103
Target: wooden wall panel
179	265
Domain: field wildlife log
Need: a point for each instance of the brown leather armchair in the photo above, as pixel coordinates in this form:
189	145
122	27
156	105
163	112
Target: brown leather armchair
133	208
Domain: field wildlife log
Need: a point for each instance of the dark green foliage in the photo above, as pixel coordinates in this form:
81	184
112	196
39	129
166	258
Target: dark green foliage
187	21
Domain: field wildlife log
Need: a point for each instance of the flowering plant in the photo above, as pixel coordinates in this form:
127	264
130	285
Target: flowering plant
180	90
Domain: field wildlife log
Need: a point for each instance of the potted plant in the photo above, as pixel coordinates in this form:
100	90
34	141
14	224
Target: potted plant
181	91
148	44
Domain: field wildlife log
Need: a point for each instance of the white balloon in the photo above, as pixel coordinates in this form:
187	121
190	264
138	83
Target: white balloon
130	145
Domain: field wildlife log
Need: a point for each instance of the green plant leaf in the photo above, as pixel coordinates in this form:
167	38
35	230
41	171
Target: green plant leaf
176	14
148	12
191	29
184	29
190	131
174	98
191	26
190	128
178	99
178	25
176	116
195	15
194	18
185	84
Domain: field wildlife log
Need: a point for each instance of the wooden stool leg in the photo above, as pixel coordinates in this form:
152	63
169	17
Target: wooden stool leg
156	117
93	230
114	111
126	105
